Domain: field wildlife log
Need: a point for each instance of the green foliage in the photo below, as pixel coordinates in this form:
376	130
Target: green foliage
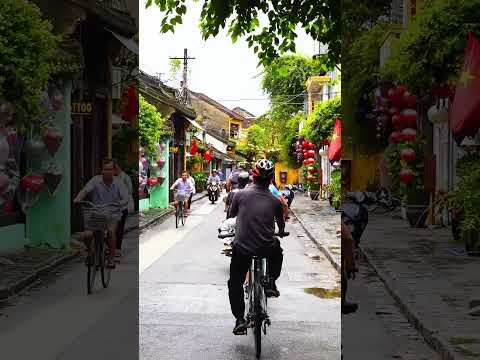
320	123
431	50
320	20
284	81
313	184
467	195
335	187
413	191
288	135
254	145
152	126
27	47
200	180
175	65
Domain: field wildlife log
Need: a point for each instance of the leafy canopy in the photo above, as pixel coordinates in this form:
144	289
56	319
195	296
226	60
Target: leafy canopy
151	127
255	142
269	26
320	122
27	46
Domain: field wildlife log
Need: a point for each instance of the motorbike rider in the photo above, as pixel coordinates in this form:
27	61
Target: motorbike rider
243	179
256	210
232	181
214	178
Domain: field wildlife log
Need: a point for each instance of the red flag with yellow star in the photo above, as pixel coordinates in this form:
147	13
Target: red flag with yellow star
465	111
335	149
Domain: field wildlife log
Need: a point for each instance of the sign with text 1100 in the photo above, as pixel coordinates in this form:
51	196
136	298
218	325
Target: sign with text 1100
82	108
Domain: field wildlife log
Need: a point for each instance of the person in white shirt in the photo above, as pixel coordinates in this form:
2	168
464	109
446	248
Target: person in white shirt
125	184
191	180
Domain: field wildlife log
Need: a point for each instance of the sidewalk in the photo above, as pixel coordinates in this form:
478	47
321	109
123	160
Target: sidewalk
434	288
322	224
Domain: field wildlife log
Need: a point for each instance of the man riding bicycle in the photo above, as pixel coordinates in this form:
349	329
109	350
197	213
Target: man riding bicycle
184	188
256	210
102	191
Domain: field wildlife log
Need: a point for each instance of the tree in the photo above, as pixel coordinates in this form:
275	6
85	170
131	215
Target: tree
320	19
152	126
255	142
27	47
320	123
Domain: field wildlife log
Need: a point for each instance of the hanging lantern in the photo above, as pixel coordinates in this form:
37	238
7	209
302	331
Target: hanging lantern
409	99
395	137
409	117
311	153
311	161
193	147
160	163
408	155
53	139
311	169
406	175
310	177
409	134
208	155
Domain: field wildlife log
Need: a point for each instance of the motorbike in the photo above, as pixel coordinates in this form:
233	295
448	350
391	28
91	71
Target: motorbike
289	195
225	232
355	214
213	191
298	187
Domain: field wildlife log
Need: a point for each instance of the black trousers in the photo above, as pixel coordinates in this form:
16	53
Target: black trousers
121	229
239	266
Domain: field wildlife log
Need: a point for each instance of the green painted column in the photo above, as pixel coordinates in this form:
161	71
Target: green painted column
48	221
159	197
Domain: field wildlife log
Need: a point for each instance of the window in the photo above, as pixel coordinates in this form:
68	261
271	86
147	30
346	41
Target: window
234	130
224	133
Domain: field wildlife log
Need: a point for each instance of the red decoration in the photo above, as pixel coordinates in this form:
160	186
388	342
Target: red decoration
397	122
130	103
395	137
310	161
394	111
410	117
311	169
409	100
311	153
193	147
310	177
208	155
33	183
160	163
52	139
466	104
396	97
335	149
152	181
406	175
409	134
408	154
306	162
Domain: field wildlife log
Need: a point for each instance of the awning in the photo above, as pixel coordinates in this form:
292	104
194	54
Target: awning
128	43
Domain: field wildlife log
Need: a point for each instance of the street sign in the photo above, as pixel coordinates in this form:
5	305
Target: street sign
82	108
174	149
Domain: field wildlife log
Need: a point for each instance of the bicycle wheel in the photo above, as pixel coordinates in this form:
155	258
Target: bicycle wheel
182	215
105	272
176	215
257	330
92	265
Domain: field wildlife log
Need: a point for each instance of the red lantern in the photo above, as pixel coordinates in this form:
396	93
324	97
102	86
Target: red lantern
410	117
193	147
396	97
33	182
160	162
305	162
311	169
152	181
397	122
208	156
311	161
406	175
311	153
409	134
310	177
395	137
305	144
408	154
409	100
394	111
402	89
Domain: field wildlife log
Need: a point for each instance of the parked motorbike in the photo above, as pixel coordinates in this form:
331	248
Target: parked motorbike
213	190
355	214
225	232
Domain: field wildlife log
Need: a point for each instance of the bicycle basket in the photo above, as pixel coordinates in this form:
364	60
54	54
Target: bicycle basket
98	219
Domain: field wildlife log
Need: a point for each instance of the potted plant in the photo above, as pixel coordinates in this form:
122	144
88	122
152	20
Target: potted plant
200	181
310	174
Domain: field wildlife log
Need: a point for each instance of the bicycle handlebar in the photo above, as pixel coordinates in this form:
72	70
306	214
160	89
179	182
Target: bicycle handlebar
224	236
92	205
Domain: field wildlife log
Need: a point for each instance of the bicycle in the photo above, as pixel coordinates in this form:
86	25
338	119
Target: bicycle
180	210
96	219
257	279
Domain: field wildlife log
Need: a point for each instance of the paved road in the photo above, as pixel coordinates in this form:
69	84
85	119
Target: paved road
184	309
56	320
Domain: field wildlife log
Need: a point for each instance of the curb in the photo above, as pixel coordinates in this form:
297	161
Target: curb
436	343
16	288
337	266
200	198
155	221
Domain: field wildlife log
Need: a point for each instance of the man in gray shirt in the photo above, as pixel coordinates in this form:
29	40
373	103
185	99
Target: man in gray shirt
256	210
102	191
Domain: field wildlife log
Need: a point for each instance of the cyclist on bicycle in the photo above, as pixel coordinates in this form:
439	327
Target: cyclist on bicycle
184	188
102	191
256	210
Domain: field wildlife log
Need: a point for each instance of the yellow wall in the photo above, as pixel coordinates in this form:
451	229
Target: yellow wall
292	174
364	170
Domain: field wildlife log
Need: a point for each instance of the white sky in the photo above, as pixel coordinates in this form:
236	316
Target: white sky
221	70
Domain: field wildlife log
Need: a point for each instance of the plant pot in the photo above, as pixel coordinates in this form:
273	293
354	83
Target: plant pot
417	215
160	180
314	194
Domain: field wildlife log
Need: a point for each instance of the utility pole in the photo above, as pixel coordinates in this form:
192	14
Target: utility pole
184	86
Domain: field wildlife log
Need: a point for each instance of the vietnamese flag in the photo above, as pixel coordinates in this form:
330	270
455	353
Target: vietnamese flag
335	149
465	111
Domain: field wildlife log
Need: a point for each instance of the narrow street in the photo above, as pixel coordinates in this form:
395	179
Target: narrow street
98	326
184	308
